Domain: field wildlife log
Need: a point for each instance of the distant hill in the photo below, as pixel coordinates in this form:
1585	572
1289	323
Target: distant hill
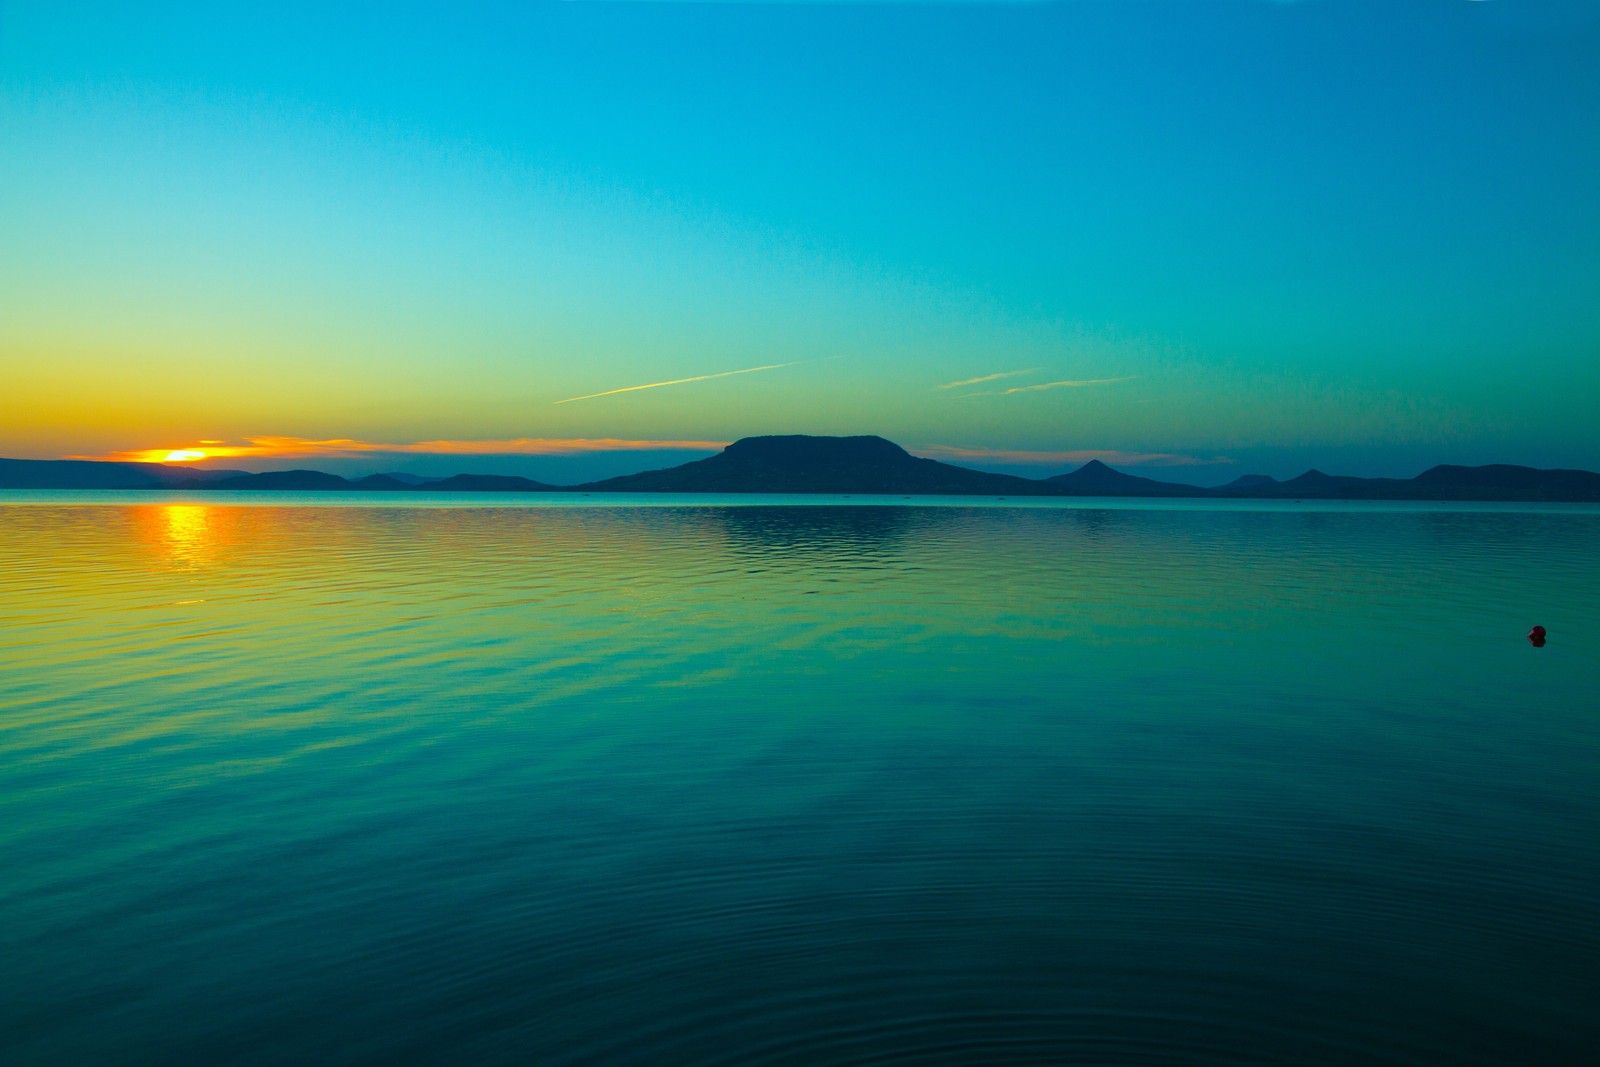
92	474
839	465
868	465
297	480
1246	481
1096	479
77	474
485	483
1445	482
800	464
1315	485
1504	482
383	483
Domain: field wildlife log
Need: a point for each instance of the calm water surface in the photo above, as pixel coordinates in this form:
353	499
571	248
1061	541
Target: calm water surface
796	785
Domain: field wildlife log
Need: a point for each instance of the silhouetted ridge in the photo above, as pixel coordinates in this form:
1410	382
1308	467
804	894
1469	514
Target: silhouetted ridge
1315	485
96	474
841	465
1501	481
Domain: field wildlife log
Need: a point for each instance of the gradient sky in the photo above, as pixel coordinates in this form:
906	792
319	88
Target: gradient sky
1358	236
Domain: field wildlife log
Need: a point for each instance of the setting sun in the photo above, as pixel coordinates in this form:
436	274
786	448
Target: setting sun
183	455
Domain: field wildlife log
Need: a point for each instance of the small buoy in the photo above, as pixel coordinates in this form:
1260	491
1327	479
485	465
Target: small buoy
1536	637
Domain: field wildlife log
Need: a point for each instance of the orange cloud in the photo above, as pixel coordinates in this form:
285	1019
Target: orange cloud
308	448
1057	459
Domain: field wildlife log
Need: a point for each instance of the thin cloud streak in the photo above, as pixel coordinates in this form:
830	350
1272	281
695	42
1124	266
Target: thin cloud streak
1055	459
989	378
682	381
1071	383
307	448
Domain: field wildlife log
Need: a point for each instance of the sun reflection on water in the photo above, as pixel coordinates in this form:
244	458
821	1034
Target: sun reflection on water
186	534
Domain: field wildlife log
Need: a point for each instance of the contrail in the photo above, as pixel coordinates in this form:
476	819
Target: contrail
681	381
989	378
1074	383
1077	383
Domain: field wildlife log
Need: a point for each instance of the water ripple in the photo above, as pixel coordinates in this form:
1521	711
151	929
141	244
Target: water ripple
782	785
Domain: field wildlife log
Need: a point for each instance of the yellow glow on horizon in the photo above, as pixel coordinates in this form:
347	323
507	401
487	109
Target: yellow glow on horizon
307	448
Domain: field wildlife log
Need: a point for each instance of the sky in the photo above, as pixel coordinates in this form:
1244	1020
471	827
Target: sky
1193	238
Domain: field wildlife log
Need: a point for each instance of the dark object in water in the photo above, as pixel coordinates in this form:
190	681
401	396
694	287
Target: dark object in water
1536	637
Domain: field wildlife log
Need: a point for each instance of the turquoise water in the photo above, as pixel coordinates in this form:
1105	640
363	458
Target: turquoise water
755	784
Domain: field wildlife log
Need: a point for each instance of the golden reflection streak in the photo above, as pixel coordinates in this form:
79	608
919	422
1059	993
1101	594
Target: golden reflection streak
188	534
200	537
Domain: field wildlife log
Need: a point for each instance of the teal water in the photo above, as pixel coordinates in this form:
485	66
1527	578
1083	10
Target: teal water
797	784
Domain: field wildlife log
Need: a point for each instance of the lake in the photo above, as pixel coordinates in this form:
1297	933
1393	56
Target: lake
702	781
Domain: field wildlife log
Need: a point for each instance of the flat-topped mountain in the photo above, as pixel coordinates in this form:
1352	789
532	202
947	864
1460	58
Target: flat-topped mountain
802	464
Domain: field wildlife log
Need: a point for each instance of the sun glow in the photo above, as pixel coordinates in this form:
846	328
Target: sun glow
306	448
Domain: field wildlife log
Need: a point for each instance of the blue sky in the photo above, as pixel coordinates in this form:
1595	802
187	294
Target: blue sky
1223	235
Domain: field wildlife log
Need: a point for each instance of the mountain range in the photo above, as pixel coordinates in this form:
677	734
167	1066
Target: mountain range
835	465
